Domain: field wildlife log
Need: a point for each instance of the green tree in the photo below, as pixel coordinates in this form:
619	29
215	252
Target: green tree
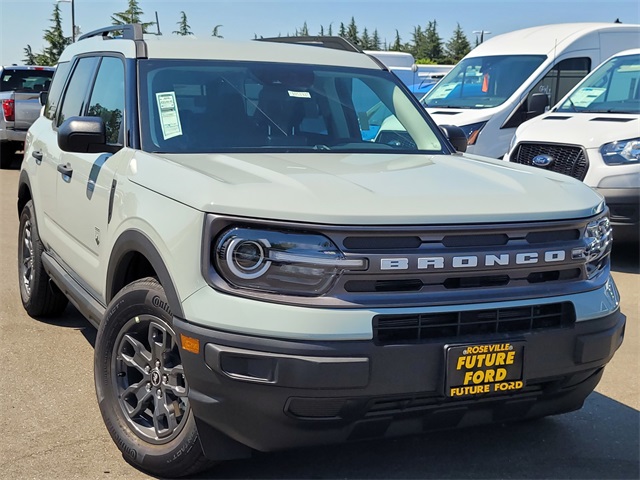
133	14
183	27
365	40
352	32
216	32
433	43
29	56
397	46
375	40
419	46
55	38
56	43
458	46
343	31
303	32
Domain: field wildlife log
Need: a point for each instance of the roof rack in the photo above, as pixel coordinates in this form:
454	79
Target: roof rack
337	43
131	31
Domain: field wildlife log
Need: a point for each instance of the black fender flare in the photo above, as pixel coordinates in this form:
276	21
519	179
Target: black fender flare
23	183
136	241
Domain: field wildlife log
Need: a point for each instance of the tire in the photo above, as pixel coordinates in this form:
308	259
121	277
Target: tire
140	385
40	297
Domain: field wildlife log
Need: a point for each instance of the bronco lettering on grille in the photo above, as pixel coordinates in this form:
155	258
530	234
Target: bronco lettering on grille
472	261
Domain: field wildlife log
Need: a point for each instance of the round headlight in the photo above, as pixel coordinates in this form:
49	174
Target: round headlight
246	258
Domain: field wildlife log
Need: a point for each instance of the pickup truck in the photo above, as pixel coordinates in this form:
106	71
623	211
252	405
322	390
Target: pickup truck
20	88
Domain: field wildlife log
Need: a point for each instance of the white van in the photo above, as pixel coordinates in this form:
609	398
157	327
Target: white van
419	78
593	134
493	89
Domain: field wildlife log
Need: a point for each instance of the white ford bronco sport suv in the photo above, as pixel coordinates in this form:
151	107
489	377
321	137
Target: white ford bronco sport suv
263	277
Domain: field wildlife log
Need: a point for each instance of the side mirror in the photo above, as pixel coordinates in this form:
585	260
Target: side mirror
538	103
82	135
456	136
43	98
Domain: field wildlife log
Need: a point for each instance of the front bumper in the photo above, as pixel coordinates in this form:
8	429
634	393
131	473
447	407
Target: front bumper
624	206
271	394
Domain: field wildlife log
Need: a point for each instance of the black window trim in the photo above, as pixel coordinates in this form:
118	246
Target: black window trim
89	86
122	59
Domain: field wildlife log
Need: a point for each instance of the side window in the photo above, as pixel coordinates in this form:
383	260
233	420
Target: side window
55	92
107	98
561	78
623	85
74	97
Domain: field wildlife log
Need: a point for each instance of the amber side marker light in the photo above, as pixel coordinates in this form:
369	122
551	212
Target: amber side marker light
190	344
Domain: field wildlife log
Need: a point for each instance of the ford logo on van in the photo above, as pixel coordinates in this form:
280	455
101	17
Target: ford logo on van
542	160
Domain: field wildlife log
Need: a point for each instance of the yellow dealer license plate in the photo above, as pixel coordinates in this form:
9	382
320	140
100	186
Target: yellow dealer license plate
484	368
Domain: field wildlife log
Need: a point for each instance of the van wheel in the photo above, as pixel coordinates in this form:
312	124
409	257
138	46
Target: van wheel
40	297
141	386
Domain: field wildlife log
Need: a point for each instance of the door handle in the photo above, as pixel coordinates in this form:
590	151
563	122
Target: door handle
65	170
37	156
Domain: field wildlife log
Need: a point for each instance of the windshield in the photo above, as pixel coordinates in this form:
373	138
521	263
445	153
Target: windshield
614	87
482	82
218	106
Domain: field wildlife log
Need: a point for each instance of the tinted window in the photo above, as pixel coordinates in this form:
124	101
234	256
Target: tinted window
107	98
25	80
562	78
53	97
482	82
74	98
614	87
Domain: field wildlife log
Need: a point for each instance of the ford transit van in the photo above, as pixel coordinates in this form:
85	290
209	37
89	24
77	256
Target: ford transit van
593	134
515	76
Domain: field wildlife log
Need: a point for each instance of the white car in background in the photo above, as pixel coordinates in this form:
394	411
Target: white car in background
514	77
593	134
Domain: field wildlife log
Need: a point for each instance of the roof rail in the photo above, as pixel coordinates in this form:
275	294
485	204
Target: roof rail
335	42
131	31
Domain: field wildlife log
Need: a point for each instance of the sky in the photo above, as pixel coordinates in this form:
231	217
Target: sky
22	22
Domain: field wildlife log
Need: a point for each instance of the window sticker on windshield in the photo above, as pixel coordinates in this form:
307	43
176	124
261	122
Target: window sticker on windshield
585	96
443	91
169	117
299	94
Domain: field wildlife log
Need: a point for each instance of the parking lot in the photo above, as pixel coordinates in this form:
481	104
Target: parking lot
52	427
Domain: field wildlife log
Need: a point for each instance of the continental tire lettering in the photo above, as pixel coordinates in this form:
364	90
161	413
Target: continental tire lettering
115	308
126	449
186	447
156	301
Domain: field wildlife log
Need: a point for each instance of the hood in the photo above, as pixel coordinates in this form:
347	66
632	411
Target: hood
460	116
364	189
590	130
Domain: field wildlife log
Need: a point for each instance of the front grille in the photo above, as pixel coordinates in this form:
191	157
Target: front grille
398	329
567	159
436	265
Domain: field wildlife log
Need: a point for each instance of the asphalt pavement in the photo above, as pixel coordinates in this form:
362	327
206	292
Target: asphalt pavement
51	426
